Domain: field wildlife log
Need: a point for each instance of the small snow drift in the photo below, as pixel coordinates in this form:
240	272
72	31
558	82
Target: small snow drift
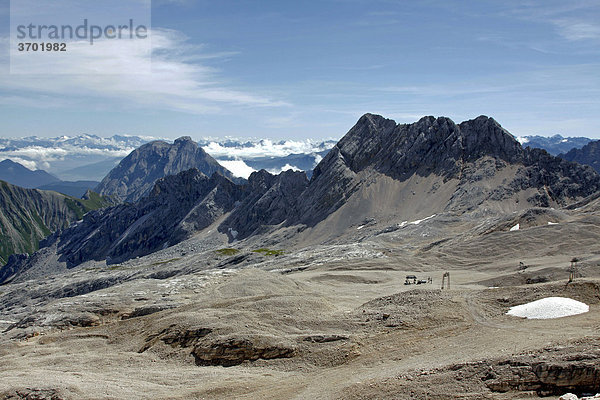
549	307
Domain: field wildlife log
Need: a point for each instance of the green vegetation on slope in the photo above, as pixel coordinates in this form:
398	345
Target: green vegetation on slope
227	252
268	252
29	215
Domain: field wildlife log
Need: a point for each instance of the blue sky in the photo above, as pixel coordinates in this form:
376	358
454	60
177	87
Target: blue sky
310	69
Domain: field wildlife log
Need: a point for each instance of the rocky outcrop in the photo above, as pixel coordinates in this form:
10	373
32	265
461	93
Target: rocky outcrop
271	200
233	351
587	155
211	349
546	378
32	394
135	175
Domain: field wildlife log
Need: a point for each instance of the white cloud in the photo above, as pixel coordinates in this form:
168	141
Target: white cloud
123	72
58	153
318	159
286	167
237	167
267	148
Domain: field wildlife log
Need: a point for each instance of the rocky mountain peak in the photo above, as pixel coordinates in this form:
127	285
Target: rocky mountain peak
466	153
184	139
261	180
429	145
484	136
136	174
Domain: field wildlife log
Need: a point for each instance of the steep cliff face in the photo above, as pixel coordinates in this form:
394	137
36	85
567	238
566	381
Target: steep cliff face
28	215
587	155
135	175
270	201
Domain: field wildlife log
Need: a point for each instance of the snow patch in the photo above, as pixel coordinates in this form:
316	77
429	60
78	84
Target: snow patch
548	308
552	223
360	227
516	227
417	222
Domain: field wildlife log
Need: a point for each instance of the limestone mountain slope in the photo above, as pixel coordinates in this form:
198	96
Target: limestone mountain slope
477	163
177	205
29	215
135	175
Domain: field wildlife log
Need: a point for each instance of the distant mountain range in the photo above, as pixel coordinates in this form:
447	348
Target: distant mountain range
379	170
76	189
90	157
554	144
67	157
17	174
588	155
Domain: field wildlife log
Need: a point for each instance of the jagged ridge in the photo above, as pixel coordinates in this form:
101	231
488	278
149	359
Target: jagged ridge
441	147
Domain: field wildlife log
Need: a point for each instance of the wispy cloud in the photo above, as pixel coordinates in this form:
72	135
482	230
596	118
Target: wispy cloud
119	73
574	20
573	29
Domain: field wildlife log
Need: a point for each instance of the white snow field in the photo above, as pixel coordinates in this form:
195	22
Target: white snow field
549	307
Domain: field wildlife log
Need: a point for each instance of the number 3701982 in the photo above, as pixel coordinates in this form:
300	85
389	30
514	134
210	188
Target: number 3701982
26	46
